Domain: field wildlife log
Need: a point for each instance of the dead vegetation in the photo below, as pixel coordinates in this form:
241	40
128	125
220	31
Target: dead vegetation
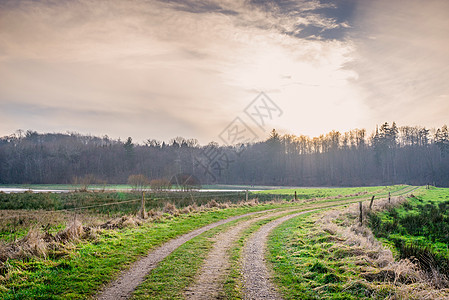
40	242
377	266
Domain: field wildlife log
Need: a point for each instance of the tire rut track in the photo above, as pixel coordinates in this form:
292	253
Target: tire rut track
208	283
122	287
256	276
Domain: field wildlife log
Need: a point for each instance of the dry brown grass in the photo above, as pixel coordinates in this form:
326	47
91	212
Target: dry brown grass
40	242
212	203
378	267
170	208
122	222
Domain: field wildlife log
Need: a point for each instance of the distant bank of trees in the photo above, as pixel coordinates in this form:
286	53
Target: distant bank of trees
389	155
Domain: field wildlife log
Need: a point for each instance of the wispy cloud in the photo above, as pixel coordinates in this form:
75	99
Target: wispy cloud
193	62
165	68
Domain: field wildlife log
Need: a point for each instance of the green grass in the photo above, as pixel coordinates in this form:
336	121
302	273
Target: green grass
305	268
60	201
174	274
307	193
233	284
177	271
93	264
418	228
237	187
309	264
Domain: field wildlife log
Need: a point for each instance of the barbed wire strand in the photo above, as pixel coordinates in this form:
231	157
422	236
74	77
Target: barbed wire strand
156	198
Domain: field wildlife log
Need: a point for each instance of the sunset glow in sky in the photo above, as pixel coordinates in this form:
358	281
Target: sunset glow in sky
161	69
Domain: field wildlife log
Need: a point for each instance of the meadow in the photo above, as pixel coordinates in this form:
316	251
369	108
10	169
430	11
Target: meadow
418	229
52	250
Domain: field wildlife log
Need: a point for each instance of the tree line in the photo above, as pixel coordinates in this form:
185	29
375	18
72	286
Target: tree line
389	155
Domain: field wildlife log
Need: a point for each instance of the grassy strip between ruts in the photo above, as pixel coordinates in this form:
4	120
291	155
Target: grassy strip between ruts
177	271
80	273
173	275
233	284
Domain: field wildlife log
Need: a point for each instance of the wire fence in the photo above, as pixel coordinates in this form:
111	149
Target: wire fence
46	209
19	212
152	200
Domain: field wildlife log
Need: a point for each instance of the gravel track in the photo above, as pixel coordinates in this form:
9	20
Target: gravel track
209	281
256	276
123	287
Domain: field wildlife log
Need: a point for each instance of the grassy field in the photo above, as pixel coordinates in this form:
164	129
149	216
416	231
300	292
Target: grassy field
66	186
79	268
233	283
307	193
170	279
419	229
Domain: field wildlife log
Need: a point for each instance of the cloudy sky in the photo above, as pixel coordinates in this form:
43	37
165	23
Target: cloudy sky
160	69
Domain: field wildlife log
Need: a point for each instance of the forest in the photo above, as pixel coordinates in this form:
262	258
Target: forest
389	155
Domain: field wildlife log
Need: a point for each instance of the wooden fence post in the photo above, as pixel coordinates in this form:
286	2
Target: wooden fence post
296	197
389	197
142	209
246	196
371	203
361	212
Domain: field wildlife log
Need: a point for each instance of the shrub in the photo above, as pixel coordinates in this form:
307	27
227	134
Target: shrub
158	185
138	182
